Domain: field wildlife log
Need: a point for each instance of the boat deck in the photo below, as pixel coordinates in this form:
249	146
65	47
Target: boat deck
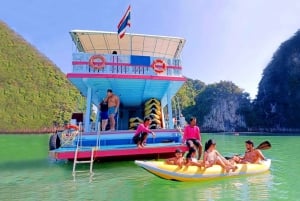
116	146
129	151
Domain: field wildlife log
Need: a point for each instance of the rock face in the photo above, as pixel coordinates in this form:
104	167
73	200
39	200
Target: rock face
277	105
223	116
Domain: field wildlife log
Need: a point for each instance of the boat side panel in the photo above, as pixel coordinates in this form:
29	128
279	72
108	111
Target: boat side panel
163	151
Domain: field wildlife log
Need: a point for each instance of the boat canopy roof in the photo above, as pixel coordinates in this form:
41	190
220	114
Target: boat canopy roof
100	42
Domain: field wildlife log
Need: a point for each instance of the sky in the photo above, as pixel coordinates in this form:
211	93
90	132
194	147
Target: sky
228	40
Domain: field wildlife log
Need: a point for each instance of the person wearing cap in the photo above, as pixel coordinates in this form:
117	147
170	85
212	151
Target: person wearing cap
178	159
252	155
192	136
113	102
141	133
213	157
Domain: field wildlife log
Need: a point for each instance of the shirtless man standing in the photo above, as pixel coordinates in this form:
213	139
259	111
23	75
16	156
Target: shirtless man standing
113	106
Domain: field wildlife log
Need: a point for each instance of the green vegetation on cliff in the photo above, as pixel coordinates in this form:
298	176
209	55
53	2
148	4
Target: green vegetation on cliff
34	92
218	107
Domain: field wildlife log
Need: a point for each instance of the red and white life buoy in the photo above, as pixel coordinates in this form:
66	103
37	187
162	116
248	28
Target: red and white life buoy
93	61
159	66
72	126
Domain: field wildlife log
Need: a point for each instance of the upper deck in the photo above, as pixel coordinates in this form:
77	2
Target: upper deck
128	65
100	42
134	54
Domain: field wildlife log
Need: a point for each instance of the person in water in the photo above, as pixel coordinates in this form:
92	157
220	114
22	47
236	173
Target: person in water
178	159
213	157
141	133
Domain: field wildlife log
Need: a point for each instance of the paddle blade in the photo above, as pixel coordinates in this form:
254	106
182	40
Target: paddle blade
264	145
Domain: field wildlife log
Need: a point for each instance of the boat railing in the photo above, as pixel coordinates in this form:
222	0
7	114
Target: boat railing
125	64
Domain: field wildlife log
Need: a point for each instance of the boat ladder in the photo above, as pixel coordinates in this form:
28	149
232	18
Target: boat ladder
84	148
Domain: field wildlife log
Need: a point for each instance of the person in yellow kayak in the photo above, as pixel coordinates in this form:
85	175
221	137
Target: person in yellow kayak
213	157
178	159
191	158
252	155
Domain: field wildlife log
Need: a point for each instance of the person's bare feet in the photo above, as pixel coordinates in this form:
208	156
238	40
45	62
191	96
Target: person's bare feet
234	168
227	169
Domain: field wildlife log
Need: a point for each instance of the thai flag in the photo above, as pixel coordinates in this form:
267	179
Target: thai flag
123	23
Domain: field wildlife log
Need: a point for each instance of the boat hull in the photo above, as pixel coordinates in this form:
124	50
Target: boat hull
194	173
127	152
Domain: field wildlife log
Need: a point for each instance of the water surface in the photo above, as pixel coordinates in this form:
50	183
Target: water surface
28	174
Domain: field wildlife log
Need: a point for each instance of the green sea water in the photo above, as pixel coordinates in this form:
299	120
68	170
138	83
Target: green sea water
26	173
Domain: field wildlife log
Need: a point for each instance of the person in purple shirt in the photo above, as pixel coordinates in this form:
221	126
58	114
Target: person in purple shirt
141	133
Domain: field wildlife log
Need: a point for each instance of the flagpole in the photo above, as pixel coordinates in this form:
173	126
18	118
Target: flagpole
130	43
130	32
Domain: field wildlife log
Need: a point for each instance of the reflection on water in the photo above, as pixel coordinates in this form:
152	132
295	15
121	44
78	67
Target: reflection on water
255	187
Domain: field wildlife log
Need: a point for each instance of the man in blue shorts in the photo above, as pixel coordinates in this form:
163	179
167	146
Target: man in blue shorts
113	107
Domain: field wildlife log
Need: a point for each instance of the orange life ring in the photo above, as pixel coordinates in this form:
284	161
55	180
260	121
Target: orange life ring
159	66
72	126
97	65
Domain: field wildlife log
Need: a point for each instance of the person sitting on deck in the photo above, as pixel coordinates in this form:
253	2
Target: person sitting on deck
192	136
141	133
252	155
178	159
213	157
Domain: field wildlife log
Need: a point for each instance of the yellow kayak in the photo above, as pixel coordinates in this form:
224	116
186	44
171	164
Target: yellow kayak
194	173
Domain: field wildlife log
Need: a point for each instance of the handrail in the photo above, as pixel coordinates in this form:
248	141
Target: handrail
98	136
124	64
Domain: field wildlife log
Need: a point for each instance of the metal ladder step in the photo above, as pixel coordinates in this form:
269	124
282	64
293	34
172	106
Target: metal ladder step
83	162
80	147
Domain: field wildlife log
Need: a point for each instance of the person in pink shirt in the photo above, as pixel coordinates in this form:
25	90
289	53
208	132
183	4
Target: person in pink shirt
192	136
141	133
